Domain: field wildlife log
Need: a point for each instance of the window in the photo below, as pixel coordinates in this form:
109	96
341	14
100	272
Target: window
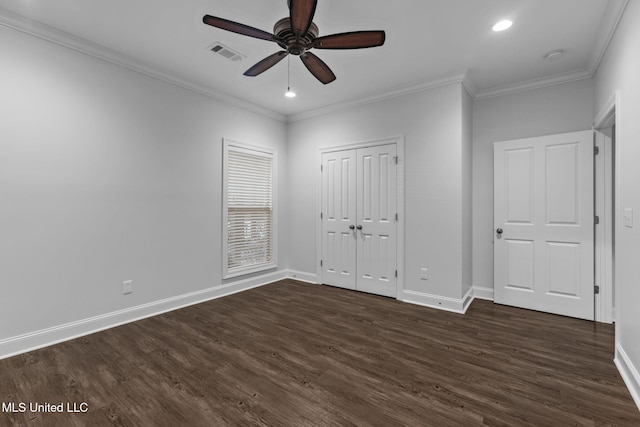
248	213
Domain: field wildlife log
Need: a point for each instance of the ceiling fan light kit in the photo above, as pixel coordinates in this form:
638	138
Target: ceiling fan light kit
289	93
296	35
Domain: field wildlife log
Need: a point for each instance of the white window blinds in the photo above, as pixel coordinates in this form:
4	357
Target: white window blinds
249	210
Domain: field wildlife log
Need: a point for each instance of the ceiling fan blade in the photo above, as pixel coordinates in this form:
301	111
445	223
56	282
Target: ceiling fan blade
235	27
353	40
265	64
301	15
318	68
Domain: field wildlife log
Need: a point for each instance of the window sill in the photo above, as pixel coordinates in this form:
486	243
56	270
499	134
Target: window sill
248	270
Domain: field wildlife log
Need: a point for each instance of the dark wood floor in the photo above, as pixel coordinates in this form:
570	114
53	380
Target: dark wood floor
292	354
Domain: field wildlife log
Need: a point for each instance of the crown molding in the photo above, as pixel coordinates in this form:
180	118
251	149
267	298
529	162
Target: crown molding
608	26
534	84
610	21
406	90
24	25
468	84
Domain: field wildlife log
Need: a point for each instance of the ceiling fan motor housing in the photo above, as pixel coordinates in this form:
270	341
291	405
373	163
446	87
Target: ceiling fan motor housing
287	38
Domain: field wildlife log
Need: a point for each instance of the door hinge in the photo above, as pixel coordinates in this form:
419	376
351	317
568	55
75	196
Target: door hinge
321	215
396	274
320	263
396	217
395	158
596	289
321	168
597	220
596	151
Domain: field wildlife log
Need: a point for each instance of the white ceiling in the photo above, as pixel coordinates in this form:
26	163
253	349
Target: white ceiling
427	41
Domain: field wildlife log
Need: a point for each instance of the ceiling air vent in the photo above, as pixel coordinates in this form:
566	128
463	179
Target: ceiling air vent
223	50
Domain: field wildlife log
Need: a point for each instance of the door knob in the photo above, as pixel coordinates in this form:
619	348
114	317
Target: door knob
359	227
352	227
499	231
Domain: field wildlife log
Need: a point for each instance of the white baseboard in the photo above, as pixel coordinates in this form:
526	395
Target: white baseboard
629	373
483	293
46	337
302	276
419	298
454	305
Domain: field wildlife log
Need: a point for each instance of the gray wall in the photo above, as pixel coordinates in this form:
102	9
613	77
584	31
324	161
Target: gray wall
620	71
556	109
108	175
467	192
431	122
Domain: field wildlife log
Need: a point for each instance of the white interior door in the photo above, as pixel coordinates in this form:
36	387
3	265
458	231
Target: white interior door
339	218
376	214
359	199
544	224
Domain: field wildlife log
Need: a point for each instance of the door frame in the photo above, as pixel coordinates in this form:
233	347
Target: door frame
400	228
607	300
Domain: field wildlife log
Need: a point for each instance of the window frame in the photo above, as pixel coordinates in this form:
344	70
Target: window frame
230	145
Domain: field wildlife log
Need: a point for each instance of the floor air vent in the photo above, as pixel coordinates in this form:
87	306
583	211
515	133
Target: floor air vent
222	50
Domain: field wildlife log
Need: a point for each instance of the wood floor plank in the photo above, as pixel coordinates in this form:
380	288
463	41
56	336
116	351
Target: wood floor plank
293	354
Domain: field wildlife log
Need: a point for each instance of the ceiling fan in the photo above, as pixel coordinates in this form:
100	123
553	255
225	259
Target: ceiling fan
296	35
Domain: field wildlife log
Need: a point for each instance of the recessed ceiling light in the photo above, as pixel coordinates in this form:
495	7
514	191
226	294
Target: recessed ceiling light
554	54
502	25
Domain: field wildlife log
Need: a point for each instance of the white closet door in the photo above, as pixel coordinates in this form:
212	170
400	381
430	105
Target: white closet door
359	193
376	220
339	219
544	224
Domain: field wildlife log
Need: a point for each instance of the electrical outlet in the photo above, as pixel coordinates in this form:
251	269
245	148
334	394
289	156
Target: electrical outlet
424	273
127	287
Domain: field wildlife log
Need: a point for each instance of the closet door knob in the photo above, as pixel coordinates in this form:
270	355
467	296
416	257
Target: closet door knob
499	231
352	227
359	227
